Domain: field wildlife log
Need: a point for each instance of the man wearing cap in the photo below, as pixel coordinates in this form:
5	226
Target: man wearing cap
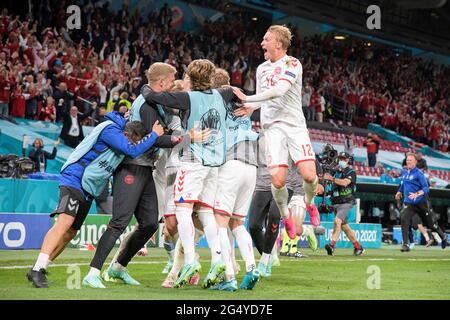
343	199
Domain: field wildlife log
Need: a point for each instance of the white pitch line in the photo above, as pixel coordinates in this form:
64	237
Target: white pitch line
282	261
76	264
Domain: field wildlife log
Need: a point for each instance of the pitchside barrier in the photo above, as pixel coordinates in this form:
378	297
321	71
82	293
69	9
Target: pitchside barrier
27	231
38	198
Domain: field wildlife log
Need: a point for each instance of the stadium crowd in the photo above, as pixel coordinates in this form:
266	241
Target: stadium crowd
46	69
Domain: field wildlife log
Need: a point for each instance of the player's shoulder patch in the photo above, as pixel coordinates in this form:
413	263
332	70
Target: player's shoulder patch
292	63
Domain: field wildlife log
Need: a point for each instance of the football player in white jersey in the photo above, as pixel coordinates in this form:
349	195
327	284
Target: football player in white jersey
279	96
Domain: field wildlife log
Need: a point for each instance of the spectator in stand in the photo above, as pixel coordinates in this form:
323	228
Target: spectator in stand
348	143
99	115
320	109
5	91
49	112
237	71
250	82
18	102
315	103
39	156
124	101
64	101
72	130
306	102
372	142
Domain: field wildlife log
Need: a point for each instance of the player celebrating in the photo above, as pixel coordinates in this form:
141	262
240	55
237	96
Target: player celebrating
83	177
278	94
235	185
196	178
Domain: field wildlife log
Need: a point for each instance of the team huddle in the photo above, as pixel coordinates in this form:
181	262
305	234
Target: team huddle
186	152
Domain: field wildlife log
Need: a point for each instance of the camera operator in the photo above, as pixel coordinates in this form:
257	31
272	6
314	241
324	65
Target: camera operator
343	186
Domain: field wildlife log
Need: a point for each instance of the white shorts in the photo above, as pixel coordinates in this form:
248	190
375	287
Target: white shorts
235	186
196	183
282	141
170	207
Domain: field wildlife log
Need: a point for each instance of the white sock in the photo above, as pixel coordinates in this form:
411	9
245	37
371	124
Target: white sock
436	237
117	266
310	190
274	252
212	234
186	233
265	258
177	260
226	254
231	239
94	272
307	230
281	199
41	262
123	243
47	264
245	244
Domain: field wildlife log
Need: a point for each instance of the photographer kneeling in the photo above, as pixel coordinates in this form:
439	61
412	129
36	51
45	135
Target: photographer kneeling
343	187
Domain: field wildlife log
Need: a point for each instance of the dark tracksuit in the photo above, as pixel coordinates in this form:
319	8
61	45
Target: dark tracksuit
411	182
133	192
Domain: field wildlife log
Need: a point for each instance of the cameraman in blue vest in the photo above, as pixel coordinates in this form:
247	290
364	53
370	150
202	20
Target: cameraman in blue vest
84	176
414	189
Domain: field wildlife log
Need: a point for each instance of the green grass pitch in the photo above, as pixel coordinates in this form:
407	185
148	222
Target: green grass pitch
423	273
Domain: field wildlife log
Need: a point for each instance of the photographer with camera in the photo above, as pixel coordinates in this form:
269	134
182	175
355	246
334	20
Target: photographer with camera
340	177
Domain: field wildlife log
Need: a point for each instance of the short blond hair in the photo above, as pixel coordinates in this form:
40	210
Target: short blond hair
177	86
282	34
159	71
220	78
200	72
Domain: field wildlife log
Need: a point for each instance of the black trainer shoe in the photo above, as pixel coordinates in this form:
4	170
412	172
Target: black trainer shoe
444	242
29	274
330	249
359	251
38	278
405	248
284	254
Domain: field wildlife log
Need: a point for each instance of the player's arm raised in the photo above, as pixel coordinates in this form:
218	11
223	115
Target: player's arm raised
287	78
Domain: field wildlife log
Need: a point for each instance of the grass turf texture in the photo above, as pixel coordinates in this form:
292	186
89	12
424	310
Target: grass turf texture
422	273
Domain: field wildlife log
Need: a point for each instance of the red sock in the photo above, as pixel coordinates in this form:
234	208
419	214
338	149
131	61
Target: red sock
356	245
333	243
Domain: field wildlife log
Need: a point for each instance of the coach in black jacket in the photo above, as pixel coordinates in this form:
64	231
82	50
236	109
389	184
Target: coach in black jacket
72	130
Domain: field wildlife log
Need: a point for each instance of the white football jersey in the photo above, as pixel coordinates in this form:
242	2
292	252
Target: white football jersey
287	108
